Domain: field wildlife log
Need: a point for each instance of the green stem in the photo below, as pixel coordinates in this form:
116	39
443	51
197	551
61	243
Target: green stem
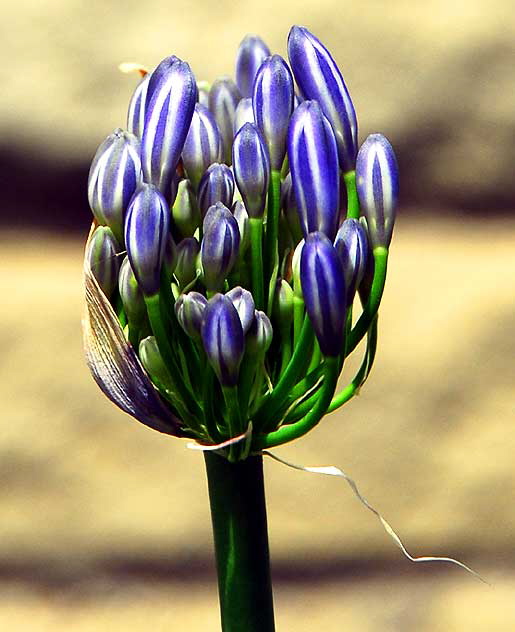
352	194
238	512
272	232
256	250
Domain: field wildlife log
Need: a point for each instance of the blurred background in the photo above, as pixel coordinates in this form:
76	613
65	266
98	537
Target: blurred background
104	524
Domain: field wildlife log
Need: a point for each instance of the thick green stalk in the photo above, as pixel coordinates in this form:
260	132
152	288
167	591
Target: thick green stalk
238	512
352	194
256	249
272	232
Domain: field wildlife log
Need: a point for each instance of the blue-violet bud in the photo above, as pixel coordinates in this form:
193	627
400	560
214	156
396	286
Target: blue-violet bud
224	97
319	78
167	122
244	302
377	181
103	258
203	144
162	69
189	309
352	247
223	339
114	175
217	185
323	286
251	166
136	113
220	245
244	114
315	174
260	334
146	235
252	52
272	100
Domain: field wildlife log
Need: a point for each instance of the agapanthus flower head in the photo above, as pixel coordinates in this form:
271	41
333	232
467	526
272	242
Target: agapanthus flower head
203	144
377	181
146	236
319	78
251	54
167	121
272	100
223	339
315	175
224	97
251	166
323	287
114	175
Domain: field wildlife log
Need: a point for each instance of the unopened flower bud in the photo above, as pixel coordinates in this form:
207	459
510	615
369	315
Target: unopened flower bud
152	360
224	97
295	266
203	88
320	79
223	339
260	334
136	113
167	122
352	247
272	101
146	235
161	70
131	295
323	286
313	158
242	217
220	245
244	302
377	182
203	145
217	185
252	52
103	258
189	309
283	305
114	175
251	166
187	255
244	114
185	211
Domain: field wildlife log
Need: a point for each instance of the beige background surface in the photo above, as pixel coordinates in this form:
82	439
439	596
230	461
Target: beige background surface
103	523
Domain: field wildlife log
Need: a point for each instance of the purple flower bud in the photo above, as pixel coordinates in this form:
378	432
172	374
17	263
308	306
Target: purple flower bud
323	286
259	337
314	169
136	113
319	78
242	217
244	302
220	245
224	97
377	181
272	100
244	114
251	167
185	211
252	52
217	185
352	247
223	339
161	70
114	175
146	235
189	309
167	121
203	144
103	258
187	254
131	295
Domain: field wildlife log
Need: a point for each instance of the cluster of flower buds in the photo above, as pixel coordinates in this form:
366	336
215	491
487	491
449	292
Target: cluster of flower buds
253	226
